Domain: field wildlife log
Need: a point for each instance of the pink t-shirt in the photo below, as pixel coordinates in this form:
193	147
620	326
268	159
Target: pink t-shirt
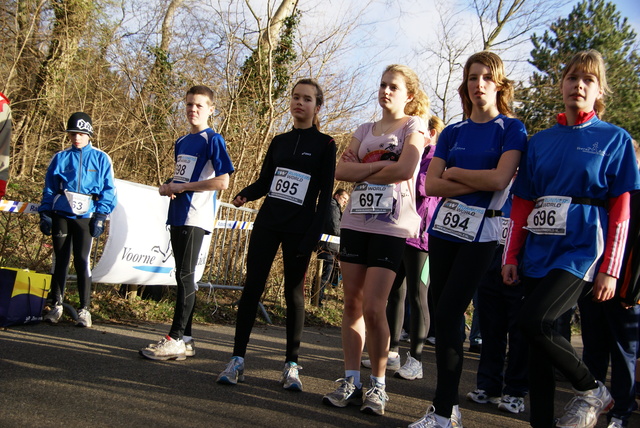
403	221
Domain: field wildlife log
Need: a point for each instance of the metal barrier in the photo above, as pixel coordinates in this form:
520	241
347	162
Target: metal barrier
228	252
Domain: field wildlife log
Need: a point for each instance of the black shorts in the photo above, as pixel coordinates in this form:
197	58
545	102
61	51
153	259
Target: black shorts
371	249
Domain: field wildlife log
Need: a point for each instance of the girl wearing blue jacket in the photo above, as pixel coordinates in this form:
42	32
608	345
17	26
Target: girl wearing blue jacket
78	194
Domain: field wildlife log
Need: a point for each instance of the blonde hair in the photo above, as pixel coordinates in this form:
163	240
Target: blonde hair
419	105
436	124
504	97
319	96
590	62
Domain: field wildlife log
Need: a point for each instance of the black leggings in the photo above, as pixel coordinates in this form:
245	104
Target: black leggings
186	242
408	281
546	299
456	270
263	246
71	234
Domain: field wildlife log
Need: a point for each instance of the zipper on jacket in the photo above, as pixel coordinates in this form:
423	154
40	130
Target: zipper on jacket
79	172
295	149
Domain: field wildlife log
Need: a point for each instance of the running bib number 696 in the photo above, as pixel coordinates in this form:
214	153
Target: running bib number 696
549	215
545	218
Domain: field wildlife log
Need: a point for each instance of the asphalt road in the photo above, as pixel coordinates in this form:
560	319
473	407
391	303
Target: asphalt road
64	376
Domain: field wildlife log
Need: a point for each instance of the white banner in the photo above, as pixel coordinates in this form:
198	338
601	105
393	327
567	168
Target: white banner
138	247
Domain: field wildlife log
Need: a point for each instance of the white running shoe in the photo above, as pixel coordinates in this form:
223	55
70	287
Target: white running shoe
346	393
431	420
412	369
233	373
290	378
190	348
481	397
166	349
511	404
392	363
615	423
456	417
54	314
84	318
375	399
585	407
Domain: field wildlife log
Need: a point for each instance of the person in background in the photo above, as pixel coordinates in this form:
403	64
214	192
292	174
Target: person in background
79	193
328	251
410	281
499	307
383	159
473	165
569	219
297	179
5	142
610	329
202	167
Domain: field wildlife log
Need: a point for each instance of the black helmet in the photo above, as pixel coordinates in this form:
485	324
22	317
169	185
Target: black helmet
80	122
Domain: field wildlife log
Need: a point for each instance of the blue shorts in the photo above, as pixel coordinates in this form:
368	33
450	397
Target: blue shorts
371	249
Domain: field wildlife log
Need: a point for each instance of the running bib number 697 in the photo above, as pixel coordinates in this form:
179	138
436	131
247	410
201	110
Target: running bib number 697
370	199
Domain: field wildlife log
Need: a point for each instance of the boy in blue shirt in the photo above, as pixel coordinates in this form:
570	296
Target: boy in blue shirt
202	167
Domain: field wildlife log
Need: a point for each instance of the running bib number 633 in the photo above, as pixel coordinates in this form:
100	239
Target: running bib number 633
289	185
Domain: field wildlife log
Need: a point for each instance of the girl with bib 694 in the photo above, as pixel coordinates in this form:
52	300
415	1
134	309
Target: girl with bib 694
472	167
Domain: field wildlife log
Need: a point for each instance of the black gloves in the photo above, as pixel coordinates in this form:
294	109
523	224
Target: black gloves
46	222
96	224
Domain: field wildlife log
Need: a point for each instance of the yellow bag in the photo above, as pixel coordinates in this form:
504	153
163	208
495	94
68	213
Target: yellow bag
22	296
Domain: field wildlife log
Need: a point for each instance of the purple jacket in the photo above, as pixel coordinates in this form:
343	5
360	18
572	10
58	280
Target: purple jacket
425	205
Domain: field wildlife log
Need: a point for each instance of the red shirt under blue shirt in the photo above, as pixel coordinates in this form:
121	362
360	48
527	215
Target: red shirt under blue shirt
594	161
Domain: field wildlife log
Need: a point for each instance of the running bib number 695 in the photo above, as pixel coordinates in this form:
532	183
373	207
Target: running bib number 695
283	186
289	185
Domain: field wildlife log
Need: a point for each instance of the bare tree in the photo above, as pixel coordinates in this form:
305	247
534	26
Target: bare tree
504	24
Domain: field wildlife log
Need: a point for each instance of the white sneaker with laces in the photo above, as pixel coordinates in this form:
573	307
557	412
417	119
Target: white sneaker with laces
456	417
290	378
375	399
166	349
233	373
431	420
84	318
412	369
392	363
190	348
481	397
585	407
511	404
54	314
615	423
